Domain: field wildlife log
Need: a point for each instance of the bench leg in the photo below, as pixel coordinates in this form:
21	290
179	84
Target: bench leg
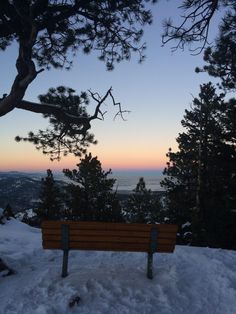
65	263
149	265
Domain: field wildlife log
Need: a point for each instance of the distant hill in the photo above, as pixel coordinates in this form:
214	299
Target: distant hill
20	190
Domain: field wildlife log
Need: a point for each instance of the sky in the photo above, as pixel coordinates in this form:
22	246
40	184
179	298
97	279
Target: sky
155	92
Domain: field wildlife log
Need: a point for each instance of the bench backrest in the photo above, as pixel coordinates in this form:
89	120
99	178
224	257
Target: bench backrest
102	236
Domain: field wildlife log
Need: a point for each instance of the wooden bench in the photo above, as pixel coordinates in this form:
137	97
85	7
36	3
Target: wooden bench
101	236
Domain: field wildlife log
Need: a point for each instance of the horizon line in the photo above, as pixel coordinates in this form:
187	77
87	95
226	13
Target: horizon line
105	169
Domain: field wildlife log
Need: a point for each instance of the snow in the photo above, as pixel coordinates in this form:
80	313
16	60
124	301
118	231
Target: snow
191	280
29	213
187	224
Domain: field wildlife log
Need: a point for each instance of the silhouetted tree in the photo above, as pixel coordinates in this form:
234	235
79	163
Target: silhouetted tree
221	57
143	206
201	175
50	205
49	34
92	197
196	18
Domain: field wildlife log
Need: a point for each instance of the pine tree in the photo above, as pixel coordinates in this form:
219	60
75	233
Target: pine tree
220	58
8	213
200	177
49	34
50	205
92	198
143	206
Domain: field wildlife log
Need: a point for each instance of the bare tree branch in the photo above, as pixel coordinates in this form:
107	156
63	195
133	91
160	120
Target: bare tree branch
194	27
120	111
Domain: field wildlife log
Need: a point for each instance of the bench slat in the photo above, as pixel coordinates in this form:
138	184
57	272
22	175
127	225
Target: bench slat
124	233
109	233
107	246
91	225
79	238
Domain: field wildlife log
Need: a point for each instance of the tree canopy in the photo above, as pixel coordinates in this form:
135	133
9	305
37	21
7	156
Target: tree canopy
50	204
143	206
50	33
195	22
91	198
221	57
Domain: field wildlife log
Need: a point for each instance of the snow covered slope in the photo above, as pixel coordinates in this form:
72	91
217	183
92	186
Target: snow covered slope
191	281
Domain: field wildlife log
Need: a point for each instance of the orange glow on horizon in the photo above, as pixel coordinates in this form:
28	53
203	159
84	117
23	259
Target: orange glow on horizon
41	163
71	164
23	158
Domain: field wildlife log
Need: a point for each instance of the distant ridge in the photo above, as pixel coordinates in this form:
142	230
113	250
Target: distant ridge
22	173
21	189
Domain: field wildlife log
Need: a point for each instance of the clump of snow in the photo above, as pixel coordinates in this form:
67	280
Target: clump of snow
191	280
28	213
187	224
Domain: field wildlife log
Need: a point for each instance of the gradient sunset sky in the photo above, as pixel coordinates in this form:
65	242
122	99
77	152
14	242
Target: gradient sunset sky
156	92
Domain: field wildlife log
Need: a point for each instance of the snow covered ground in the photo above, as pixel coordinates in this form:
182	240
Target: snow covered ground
191	281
